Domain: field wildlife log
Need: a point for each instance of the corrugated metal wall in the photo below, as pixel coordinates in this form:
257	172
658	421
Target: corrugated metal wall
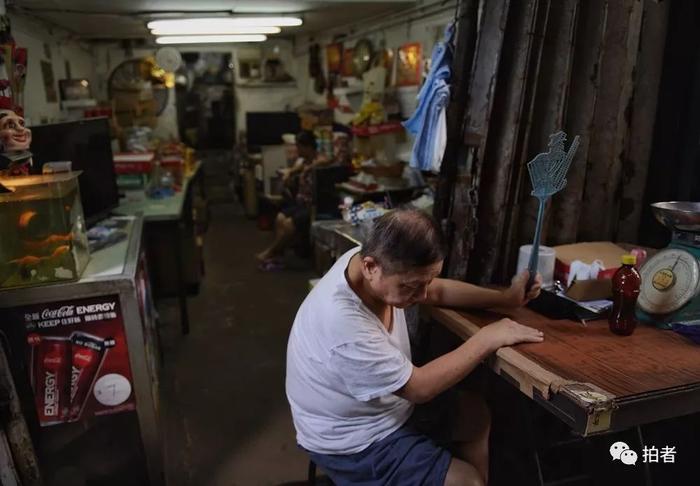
589	67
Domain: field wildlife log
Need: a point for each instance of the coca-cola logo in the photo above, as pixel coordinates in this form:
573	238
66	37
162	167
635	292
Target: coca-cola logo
63	311
83	359
50	395
53	360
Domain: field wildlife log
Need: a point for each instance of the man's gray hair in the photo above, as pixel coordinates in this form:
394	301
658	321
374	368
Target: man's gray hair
404	240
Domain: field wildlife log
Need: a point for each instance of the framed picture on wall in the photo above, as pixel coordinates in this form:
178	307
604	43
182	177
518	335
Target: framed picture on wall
334	57
346	69
74	89
409	65
49	83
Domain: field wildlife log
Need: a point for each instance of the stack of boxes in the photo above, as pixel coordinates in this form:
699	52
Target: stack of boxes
133	169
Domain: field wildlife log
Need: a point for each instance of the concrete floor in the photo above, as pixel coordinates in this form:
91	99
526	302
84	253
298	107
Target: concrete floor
227	421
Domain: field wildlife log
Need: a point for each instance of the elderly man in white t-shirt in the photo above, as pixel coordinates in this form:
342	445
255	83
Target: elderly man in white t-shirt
350	381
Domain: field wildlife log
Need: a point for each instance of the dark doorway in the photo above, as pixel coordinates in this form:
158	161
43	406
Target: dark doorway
206	117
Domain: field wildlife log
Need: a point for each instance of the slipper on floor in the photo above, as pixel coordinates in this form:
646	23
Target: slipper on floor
271	266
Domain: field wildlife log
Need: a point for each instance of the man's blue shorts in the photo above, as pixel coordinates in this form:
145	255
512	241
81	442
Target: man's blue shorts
404	458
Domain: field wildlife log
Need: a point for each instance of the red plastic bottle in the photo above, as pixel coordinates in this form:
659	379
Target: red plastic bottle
625	287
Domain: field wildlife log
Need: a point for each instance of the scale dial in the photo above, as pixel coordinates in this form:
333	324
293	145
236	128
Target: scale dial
669	281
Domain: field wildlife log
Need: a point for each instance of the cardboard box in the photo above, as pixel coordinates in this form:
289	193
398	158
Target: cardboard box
586	252
133	163
585	290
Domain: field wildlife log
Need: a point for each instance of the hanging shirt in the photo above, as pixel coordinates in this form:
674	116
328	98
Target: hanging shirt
429	122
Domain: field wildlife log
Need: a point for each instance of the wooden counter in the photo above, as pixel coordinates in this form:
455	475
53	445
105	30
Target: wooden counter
590	378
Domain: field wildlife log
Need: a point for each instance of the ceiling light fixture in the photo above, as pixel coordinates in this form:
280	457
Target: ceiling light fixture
209	39
195	30
211	24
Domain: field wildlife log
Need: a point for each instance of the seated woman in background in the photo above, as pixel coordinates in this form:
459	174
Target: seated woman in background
295	218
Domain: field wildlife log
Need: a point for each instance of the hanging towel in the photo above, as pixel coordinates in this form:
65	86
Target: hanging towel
429	123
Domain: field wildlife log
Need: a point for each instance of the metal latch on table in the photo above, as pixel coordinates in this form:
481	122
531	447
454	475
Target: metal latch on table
599	405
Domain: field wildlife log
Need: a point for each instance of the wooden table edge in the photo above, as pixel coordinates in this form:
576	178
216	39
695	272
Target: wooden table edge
565	398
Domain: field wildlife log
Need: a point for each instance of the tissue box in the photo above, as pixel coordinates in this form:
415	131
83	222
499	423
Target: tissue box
586	290
605	251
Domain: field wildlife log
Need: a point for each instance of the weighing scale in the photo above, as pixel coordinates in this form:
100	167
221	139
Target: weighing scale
671	278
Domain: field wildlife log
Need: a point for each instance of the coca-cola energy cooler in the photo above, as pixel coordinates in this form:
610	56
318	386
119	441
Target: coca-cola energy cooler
82	352
78	359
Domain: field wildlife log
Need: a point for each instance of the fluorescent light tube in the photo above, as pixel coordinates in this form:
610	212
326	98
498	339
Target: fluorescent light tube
211	24
209	39
189	30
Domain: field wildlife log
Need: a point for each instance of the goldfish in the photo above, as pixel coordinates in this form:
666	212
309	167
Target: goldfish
31	260
28	260
25	218
60	251
36	245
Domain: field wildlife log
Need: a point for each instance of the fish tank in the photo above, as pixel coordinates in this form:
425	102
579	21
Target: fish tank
43	235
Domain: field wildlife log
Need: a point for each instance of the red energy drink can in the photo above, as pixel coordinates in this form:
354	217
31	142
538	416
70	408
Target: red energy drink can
87	353
51	379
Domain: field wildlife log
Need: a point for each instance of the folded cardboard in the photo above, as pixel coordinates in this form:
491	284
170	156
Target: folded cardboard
585	290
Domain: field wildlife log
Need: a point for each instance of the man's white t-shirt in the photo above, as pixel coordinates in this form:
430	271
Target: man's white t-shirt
343	367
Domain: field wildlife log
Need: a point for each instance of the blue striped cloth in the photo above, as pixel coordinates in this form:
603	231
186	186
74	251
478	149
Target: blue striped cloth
428	121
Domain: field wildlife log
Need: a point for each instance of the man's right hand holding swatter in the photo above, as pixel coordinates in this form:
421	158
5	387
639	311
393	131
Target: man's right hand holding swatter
516	295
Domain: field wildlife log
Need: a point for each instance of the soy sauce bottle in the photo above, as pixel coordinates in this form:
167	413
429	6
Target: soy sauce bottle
625	287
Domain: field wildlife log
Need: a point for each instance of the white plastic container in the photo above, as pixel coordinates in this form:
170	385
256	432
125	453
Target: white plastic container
545	263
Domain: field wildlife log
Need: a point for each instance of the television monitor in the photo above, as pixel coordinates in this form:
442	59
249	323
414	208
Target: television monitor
266	128
88	145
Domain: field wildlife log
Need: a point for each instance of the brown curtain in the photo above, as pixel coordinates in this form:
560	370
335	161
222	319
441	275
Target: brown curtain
589	67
